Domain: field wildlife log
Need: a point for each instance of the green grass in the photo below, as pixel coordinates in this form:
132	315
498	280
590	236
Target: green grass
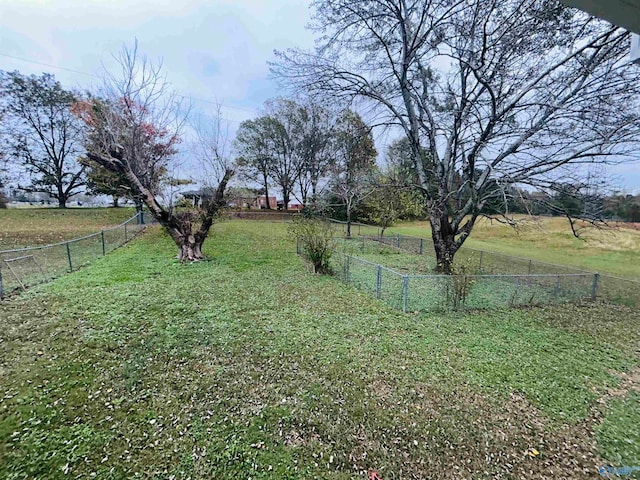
33	227
249	366
614	250
445	293
41	226
620	432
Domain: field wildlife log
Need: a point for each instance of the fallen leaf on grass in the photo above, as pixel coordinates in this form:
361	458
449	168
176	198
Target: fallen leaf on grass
532	452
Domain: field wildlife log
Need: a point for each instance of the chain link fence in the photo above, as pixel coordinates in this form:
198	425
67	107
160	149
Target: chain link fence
21	268
397	269
450	292
606	287
357	229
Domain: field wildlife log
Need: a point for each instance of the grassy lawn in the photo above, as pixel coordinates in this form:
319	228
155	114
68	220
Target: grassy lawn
41	226
615	250
443	292
247	366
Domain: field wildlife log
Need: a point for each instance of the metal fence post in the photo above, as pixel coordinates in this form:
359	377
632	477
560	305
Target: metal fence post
405	293
480	267
125	232
1	286
104	249
594	288
69	256
529	270
346	268
421	245
378	281
398	241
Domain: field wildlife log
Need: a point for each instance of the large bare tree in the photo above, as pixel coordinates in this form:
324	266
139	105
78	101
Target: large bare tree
316	132
489	93
134	131
42	133
255	146
355	162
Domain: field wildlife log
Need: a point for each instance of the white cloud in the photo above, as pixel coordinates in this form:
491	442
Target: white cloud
214	50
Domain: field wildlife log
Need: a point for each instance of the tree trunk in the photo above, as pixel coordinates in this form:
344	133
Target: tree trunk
266	192
178	225
348	221
62	196
190	250
444	243
285	199
138	204
115	201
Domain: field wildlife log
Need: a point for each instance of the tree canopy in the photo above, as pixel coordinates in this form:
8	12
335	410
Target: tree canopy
497	93
134	131
43	134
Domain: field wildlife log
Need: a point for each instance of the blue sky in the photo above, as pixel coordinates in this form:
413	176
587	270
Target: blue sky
216	50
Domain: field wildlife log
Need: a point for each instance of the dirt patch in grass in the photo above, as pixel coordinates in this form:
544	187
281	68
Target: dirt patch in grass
629	381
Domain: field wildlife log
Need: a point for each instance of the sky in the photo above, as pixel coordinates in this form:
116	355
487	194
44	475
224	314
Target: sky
213	51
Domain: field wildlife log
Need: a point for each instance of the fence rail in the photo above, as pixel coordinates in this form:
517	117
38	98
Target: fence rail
609	288
484	261
410	292
21	268
486	280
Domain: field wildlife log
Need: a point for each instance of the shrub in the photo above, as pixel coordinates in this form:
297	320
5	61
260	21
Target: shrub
315	240
184	203
461	283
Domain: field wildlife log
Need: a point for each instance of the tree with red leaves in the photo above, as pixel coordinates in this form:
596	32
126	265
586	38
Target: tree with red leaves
134	131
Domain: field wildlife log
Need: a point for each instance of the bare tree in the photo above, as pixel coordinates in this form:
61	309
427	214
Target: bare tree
286	165
489	93
43	134
352	171
316	148
254	145
134	131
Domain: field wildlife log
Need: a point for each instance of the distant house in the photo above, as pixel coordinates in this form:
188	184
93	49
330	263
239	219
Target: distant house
196	196
261	202
242	201
239	201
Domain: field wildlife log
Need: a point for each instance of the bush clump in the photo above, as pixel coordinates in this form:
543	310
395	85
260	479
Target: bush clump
462	280
315	241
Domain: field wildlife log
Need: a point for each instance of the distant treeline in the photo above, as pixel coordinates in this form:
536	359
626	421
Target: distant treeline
569	201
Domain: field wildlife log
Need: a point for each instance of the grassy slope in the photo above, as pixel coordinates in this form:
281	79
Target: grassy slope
615	251
247	366
39	226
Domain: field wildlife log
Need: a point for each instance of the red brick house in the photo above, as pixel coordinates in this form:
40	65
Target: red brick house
261	202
